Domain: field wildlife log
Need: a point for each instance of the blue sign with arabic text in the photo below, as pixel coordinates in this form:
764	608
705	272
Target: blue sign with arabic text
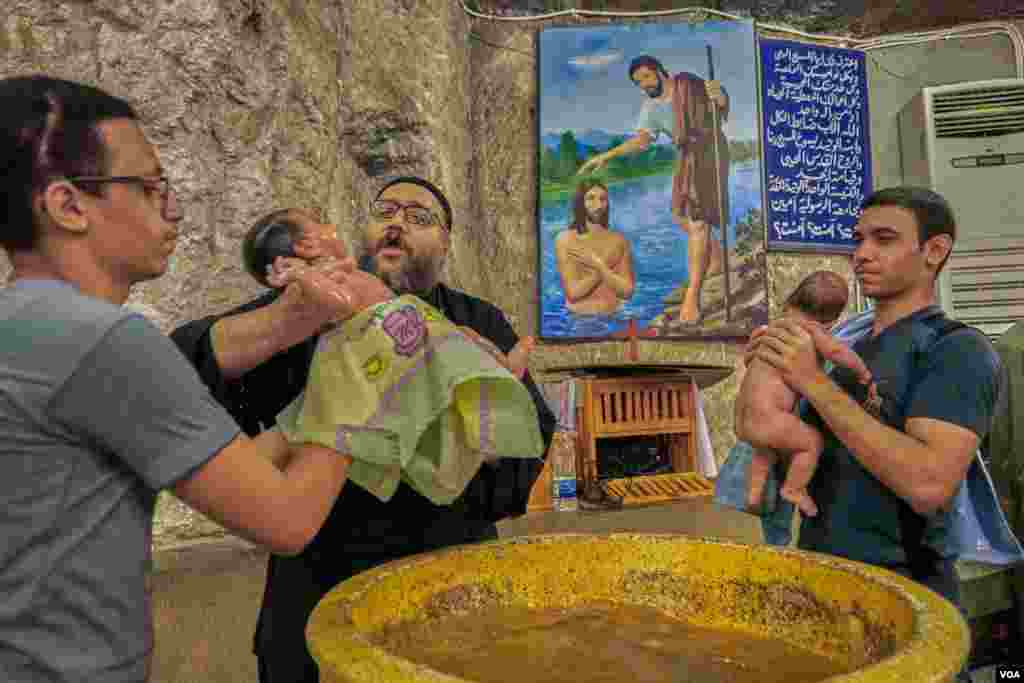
817	153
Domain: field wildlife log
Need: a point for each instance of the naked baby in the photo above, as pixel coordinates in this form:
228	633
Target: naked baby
410	395
764	407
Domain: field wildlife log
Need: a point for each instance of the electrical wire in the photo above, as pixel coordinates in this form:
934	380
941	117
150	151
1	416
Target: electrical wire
971	31
978	30
575	13
883	67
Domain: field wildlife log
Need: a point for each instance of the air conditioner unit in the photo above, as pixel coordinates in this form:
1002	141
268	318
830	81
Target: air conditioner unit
966	141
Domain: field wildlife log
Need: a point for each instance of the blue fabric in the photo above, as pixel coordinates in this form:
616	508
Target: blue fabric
980	528
980	531
731	488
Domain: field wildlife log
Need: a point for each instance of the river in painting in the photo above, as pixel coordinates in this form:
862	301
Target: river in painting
639	209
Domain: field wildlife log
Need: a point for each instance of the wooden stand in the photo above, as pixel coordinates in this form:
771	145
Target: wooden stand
651	404
638	406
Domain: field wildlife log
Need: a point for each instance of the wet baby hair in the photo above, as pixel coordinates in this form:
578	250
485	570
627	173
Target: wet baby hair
272	236
822	295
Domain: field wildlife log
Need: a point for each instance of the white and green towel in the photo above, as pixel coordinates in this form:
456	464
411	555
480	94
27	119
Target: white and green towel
412	399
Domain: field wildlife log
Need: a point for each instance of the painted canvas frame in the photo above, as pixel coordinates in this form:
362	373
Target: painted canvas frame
602	276
817	147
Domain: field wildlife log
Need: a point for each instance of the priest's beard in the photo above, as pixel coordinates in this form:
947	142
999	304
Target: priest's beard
418	274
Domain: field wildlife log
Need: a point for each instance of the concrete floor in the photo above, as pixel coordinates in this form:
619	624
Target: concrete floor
205	599
206	595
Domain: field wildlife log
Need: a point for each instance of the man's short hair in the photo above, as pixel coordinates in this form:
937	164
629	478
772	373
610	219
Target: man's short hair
649	62
932	212
430	187
48	130
271	236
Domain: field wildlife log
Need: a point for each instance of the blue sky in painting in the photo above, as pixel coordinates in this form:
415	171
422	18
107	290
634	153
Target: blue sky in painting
584	79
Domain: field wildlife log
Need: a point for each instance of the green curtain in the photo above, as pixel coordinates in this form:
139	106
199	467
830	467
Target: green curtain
1006	442
1005	451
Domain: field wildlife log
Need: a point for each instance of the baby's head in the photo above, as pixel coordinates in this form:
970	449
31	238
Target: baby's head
289	233
271	236
820	297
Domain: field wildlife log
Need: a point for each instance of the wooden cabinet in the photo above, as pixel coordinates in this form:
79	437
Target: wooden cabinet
636	404
647	405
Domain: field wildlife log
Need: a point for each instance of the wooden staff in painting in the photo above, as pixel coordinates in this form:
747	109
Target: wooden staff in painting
723	219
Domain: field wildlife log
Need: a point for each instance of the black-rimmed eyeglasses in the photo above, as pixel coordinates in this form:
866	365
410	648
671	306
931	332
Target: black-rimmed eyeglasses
158	184
417	216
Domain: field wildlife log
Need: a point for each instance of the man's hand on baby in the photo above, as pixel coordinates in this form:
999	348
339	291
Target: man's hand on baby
330	288
748	350
790	349
320	291
320	245
366	290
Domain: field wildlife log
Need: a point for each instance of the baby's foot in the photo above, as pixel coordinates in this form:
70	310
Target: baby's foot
802	500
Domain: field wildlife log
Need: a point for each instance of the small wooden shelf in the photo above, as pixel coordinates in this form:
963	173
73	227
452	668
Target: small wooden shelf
645	404
638	406
660	488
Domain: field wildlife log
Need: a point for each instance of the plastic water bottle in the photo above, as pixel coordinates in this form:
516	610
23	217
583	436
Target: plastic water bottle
565	493
563	472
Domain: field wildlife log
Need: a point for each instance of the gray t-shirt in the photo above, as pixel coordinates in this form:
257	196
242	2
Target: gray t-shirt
98	411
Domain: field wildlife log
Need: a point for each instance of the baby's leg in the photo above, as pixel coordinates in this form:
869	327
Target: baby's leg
785	432
761	464
777	429
801	469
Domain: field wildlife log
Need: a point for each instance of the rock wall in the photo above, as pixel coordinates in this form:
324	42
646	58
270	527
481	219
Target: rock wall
261	104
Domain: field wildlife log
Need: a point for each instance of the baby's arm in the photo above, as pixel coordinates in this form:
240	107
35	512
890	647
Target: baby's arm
842	355
839	353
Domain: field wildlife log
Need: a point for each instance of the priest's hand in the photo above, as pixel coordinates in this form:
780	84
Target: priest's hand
516	361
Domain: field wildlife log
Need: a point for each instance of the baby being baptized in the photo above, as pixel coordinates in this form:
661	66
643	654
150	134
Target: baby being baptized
764	407
411	396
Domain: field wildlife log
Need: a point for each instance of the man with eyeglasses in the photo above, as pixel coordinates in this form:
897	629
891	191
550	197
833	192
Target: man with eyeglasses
256	360
98	409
